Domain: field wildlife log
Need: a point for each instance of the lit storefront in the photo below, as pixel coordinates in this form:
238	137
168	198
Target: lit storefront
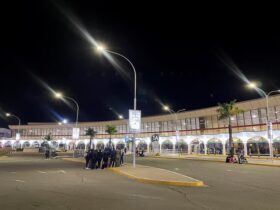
200	131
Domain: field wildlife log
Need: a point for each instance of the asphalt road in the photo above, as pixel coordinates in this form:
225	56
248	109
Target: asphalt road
34	183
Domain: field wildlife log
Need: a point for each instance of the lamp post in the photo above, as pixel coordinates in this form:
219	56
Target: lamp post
102	49
172	112
12	115
268	123
60	96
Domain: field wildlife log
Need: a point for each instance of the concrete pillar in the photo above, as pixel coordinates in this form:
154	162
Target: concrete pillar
205	149
174	148
224	148
245	149
189	148
148	148
159	148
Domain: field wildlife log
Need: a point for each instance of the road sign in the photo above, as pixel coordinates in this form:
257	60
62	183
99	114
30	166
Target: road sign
76	133
155	137
135	120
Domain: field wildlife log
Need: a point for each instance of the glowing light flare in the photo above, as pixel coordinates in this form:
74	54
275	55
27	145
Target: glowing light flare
8	114
166	108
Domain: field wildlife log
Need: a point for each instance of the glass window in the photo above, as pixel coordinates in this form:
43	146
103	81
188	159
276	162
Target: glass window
248	119
240	119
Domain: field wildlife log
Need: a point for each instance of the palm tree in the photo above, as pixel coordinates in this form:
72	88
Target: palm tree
48	138
111	130
91	133
225	112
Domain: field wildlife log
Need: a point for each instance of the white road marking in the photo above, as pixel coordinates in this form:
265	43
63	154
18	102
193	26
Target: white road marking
62	171
42	172
17	180
229	170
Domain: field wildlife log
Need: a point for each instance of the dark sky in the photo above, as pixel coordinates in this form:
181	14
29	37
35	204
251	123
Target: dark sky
178	51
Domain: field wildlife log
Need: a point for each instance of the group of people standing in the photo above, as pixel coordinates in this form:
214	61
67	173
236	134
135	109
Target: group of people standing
109	157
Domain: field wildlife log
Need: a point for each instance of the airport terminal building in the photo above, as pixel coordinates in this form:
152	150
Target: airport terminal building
198	131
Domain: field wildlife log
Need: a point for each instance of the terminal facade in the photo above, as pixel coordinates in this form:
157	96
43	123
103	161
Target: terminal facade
198	132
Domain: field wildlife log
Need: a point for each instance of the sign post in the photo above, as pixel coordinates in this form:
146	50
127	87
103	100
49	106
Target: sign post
134	127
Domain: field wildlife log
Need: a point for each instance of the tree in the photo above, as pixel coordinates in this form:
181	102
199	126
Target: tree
111	130
225	112
91	133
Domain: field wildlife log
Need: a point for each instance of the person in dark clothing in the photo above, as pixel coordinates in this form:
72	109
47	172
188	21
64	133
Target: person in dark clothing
112	158
87	159
99	158
47	153
105	156
94	159
90	161
122	157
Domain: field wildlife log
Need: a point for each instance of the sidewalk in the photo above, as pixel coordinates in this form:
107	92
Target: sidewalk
152	175
220	158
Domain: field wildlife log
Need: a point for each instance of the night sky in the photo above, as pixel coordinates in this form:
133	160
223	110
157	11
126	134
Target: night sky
186	56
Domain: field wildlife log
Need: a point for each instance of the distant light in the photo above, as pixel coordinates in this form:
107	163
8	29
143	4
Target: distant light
65	121
252	85
100	48
120	117
254	116
59	123
8	114
58	95
166	108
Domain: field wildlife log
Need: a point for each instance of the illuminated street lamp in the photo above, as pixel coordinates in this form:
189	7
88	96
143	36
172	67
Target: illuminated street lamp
173	113
120	117
102	49
61	96
12	115
253	85
76	131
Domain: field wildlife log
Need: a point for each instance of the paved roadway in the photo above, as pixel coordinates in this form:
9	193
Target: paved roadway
34	183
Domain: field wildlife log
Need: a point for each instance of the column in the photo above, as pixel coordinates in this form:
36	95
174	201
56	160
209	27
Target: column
245	149
224	148
174	148
159	148
189	148
205	149
148	147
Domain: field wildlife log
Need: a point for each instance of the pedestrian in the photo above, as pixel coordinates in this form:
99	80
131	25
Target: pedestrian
94	159
118	158
87	159
90	159
105	156
125	150
112	158
47	153
122	157
99	158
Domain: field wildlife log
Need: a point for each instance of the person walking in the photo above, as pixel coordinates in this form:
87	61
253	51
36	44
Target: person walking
94	159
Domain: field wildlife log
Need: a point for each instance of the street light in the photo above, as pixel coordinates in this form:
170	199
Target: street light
253	85
120	117
101	48
172	112
12	115
61	96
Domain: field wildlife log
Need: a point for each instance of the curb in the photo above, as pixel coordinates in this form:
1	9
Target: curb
217	161
155	181
150	181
